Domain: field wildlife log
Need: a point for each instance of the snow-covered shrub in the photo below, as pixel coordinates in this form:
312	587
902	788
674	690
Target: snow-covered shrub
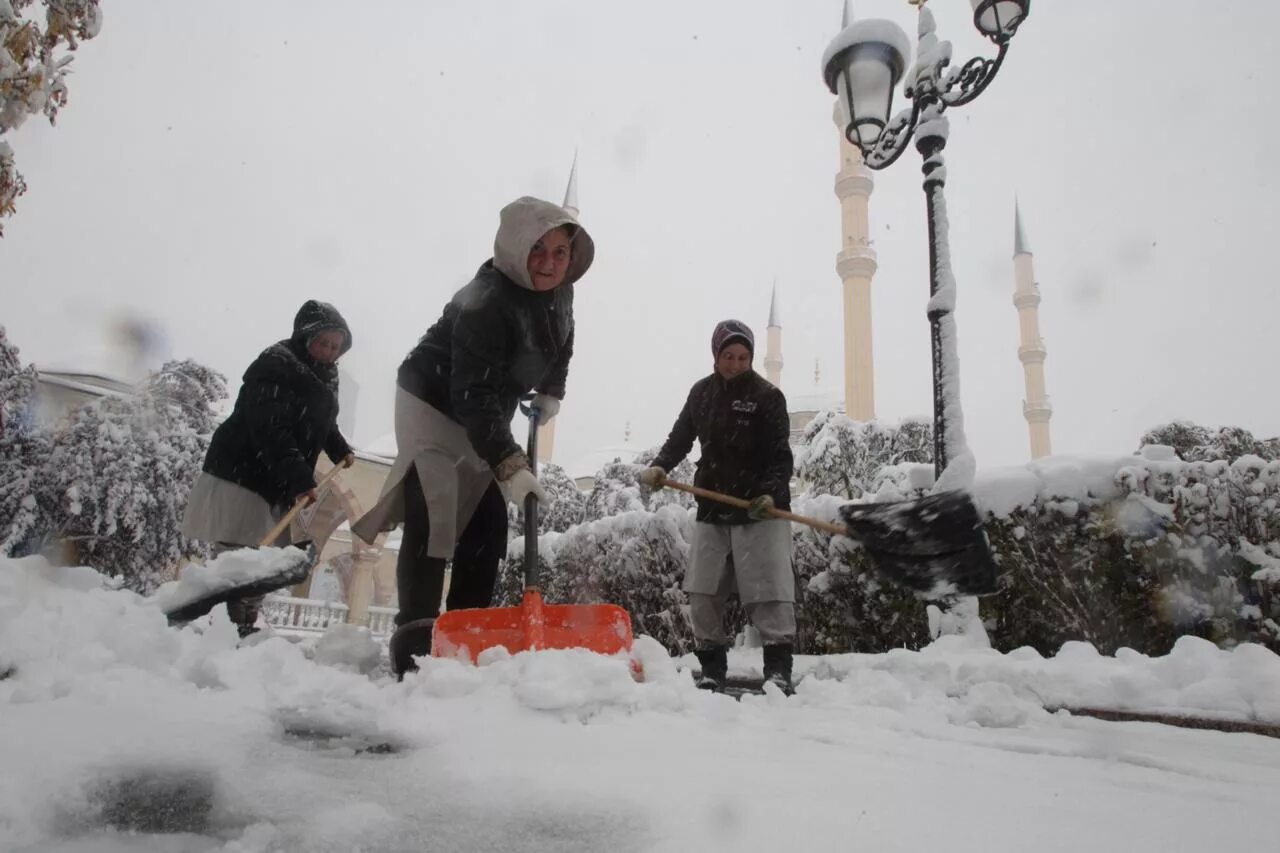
119	471
567	502
23	447
843	457
616	490
1173	548
636	560
564	508
1195	443
1135	551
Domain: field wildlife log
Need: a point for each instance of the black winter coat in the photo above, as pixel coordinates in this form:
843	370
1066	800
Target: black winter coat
744	429
495	342
285	414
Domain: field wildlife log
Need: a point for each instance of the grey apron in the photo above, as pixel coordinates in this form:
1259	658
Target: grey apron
453	477
761	563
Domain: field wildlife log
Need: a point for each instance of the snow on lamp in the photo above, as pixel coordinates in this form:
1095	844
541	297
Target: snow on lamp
998	19
861	66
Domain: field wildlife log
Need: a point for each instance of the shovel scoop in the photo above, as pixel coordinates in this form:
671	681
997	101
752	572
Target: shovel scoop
935	545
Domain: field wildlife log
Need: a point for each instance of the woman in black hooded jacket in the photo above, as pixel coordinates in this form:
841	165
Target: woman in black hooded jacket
508	332
262	458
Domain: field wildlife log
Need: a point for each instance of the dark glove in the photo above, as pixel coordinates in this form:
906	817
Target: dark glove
761	508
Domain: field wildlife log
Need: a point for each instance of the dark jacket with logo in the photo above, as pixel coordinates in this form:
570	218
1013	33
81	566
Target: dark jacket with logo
744	429
499	338
285	414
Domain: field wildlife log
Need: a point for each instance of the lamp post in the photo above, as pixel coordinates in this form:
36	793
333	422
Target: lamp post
861	66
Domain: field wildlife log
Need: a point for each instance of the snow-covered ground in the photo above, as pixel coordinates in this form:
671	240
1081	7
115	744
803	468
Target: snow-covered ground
108	716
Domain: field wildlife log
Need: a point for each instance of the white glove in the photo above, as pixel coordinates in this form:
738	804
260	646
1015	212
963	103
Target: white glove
652	477
547	407
520	485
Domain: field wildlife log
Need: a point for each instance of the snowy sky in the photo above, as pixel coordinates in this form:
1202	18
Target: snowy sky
220	163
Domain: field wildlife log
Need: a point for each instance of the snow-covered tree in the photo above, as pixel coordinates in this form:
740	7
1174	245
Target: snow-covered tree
33	69
1195	443
23	448
567	502
616	490
564	508
120	470
843	457
636	560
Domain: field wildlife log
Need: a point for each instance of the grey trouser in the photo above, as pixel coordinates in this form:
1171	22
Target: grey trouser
753	560
775	620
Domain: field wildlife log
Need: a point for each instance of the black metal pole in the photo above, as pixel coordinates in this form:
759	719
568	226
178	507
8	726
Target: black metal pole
531	510
930	146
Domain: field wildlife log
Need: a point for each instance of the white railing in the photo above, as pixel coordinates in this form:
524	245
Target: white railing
381	620
302	615
307	616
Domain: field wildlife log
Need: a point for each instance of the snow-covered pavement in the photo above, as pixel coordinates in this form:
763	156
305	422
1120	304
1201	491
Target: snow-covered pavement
107	715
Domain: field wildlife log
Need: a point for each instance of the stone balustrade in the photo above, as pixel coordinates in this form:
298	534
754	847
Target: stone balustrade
309	616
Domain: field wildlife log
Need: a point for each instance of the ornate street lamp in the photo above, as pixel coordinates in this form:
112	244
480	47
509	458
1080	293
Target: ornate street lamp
861	66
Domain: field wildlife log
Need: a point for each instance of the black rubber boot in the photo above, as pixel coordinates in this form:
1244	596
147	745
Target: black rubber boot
777	666
715	668
412	639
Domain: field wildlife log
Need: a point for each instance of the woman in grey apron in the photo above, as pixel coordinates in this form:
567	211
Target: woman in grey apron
506	333
742	424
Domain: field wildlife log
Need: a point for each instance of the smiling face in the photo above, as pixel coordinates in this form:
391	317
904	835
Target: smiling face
326	346
734	360
549	259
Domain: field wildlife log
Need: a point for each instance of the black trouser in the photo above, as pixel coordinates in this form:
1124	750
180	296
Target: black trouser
420	579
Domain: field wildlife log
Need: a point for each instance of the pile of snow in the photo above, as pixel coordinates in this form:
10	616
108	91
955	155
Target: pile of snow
109	716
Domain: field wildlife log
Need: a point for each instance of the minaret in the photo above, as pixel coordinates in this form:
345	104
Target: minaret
856	264
773	343
570	202
547	432
1031	352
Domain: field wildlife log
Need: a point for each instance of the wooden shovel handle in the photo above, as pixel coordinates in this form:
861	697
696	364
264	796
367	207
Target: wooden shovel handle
284	523
824	526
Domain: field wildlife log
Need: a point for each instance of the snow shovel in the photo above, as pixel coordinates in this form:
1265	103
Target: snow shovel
198	592
602	628
934	546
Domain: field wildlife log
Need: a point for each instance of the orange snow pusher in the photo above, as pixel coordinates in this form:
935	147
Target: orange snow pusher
602	628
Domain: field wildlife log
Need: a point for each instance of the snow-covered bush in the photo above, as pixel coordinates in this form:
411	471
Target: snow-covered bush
1195	443
23	449
843	457
1174	548
118	472
636	560
33	69
616	491
1134	551
565	506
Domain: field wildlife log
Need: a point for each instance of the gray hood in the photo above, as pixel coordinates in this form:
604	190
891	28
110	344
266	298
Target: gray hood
521	224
